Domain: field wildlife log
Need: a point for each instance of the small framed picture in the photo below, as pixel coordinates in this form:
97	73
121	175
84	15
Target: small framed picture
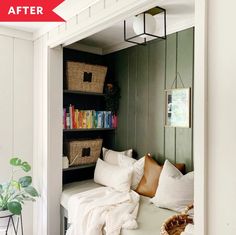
178	107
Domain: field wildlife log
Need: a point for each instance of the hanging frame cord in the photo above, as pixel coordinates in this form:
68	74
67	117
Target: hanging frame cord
176	79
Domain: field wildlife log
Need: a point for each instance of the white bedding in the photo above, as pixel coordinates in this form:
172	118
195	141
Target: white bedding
150	218
91	211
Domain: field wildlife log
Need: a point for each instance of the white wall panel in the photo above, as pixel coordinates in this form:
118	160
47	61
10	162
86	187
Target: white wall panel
221	118
16	108
23	112
6	106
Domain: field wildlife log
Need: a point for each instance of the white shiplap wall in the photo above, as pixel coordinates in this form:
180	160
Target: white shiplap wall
16	107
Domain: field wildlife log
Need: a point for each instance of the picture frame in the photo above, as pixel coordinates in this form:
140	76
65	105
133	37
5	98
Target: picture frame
178	107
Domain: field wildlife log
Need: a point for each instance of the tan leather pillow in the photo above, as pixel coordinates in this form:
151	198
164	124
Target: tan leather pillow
180	167
152	170
149	182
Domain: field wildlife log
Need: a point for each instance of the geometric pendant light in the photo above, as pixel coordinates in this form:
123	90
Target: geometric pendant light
143	26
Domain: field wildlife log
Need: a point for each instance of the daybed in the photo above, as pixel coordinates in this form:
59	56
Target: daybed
150	217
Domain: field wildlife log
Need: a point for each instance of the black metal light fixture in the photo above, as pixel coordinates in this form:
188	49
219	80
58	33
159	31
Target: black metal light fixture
144	27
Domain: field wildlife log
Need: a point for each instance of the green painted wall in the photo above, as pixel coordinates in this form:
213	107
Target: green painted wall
144	72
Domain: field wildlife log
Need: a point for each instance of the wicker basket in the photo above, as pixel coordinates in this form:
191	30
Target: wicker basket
85	77
176	224
81	152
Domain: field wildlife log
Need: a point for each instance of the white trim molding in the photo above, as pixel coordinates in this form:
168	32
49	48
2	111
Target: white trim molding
48	80
40	143
200	119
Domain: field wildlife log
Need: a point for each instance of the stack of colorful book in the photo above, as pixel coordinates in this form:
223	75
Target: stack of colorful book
78	119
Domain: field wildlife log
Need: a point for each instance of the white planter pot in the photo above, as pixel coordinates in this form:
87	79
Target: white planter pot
4	219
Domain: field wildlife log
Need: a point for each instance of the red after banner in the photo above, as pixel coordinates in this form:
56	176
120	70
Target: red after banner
29	11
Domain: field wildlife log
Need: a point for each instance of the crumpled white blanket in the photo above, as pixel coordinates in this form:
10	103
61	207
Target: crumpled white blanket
91	211
189	230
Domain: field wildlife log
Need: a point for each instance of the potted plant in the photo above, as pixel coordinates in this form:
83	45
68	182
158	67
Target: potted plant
112	98
15	192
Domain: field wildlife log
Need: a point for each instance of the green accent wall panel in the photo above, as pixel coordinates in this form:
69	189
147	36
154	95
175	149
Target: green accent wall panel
171	48
185	68
156	83
143	73
132	92
142	100
121	73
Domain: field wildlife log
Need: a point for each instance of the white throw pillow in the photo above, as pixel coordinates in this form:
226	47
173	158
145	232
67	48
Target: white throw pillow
123	160
111	156
113	176
175	190
137	165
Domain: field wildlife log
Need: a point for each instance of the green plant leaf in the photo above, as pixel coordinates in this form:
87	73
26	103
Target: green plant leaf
15	184
14	207
25	181
25	166
1	189
28	198
20	199
15	161
32	191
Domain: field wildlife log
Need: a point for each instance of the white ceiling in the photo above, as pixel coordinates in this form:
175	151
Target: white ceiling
180	15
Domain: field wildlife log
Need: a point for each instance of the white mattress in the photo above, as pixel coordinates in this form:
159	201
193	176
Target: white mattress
76	187
150	218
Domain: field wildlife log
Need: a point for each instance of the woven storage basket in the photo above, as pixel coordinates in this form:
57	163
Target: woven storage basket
176	224
85	77
81	152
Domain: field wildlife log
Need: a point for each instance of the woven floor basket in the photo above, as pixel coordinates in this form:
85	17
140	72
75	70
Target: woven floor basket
85	77
81	152
176	224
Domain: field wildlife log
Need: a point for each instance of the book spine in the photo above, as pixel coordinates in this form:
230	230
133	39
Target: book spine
104	119
94	119
87	118
84	120
80	119
109	119
100	119
114	121
64	118
76	118
68	121
90	119
71	117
